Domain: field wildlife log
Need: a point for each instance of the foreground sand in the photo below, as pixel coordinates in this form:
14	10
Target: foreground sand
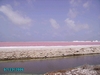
81	70
35	52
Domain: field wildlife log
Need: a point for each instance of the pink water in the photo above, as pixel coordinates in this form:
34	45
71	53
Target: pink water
47	43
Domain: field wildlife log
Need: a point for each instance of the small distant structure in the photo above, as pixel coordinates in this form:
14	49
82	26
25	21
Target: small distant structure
96	41
75	41
81	41
87	41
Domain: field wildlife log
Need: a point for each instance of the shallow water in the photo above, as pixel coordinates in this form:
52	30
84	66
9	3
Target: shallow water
42	66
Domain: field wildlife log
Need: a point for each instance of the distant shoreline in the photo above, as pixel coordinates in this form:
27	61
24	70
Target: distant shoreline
36	52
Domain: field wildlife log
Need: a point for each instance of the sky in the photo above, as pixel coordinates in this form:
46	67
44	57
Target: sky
49	20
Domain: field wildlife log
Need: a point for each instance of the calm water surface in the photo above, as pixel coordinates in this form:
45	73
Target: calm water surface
47	65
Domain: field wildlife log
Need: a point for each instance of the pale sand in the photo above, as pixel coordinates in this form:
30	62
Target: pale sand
34	52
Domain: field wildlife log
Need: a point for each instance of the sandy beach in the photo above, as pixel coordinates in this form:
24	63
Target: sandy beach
38	52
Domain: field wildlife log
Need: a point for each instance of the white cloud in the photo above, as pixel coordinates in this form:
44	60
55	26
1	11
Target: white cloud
2	17
72	13
72	2
54	23
30	1
86	5
75	2
15	17
72	25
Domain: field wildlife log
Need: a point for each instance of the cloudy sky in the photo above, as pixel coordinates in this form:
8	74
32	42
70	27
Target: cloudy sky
49	20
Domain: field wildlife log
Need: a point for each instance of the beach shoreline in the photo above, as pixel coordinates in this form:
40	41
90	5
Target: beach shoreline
40	52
